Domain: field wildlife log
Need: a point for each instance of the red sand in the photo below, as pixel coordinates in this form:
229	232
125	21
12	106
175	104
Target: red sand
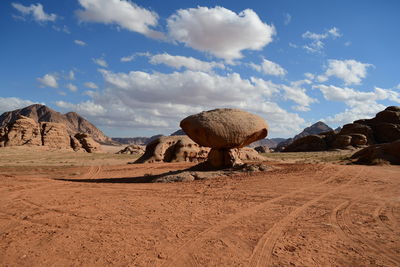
293	215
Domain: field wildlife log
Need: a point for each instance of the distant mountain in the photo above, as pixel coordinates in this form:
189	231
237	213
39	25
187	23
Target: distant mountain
178	132
316	128
41	113
269	142
135	140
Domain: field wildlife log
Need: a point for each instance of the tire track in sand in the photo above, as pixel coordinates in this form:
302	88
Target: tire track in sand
262	253
185	251
341	218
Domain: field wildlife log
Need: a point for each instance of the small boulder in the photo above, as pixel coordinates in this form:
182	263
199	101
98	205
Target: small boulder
88	142
173	149
133	150
262	149
378	154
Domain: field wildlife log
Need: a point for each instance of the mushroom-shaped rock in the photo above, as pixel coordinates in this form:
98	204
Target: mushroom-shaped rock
224	130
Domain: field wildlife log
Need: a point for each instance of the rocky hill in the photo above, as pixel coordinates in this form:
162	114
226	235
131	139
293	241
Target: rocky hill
383	128
73	122
135	140
316	128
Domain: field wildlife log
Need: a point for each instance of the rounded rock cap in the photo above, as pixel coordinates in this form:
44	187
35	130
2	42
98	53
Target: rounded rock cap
225	128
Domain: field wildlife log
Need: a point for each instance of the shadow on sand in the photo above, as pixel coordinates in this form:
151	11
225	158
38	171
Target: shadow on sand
159	178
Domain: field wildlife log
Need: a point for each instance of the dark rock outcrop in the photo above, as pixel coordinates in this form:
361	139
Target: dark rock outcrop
383	128
379	154
262	149
317	128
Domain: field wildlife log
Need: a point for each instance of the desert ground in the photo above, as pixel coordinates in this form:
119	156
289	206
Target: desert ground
307	209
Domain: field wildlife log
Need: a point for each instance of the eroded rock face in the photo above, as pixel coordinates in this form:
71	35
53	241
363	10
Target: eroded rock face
88	142
55	135
378	154
23	131
173	149
133	150
223	130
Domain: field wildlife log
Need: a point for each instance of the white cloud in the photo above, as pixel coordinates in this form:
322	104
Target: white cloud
143	100
219	31
12	103
71	75
72	87
360	104
334	32
288	19
134	55
125	14
317	45
270	68
348	43
91	85
190	63
350	71
309	76
128	58
36	11
79	42
87	107
356	112
101	62
48	80
298	94
63	29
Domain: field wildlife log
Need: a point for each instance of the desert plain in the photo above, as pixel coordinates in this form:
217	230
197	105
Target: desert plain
307	209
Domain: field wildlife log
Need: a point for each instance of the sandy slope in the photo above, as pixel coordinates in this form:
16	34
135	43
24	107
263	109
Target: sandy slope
292	215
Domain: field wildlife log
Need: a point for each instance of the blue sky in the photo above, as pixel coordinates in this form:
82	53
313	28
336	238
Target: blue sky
136	68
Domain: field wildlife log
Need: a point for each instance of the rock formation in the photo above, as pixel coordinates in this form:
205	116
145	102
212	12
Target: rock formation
173	149
223	130
383	128
379	154
133	150
55	135
25	131
262	149
73	122
317	128
87	142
